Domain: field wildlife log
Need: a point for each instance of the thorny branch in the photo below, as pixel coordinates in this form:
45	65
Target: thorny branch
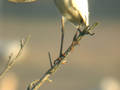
12	60
36	84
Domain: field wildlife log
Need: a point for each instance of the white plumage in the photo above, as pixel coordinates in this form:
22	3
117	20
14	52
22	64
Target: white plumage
75	11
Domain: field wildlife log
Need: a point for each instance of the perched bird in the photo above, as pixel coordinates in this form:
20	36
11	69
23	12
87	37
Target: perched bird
75	11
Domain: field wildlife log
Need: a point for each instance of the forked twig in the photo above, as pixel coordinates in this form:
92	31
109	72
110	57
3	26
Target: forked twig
12	60
36	84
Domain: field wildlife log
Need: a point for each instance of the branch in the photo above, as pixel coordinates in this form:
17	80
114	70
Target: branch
12	60
36	84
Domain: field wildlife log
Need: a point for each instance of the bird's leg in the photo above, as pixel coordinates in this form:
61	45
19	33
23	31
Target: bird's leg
62	40
50	59
62	36
79	31
75	41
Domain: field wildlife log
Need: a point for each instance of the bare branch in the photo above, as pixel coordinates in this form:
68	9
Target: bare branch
12	59
35	85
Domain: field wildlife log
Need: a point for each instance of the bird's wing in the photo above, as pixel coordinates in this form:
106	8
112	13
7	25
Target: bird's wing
82	7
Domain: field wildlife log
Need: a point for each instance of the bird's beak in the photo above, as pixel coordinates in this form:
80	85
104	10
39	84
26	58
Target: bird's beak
21	1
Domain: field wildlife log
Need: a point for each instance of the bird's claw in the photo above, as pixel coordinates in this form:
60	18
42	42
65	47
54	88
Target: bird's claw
89	33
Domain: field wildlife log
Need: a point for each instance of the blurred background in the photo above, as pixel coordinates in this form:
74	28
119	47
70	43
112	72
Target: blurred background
94	65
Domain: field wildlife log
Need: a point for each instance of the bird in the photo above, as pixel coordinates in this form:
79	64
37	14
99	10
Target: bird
75	11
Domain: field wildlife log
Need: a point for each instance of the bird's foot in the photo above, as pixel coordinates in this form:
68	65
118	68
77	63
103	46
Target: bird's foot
89	33
88	29
85	31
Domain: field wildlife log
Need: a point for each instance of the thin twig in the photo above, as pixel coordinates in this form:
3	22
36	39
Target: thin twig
12	60
36	84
